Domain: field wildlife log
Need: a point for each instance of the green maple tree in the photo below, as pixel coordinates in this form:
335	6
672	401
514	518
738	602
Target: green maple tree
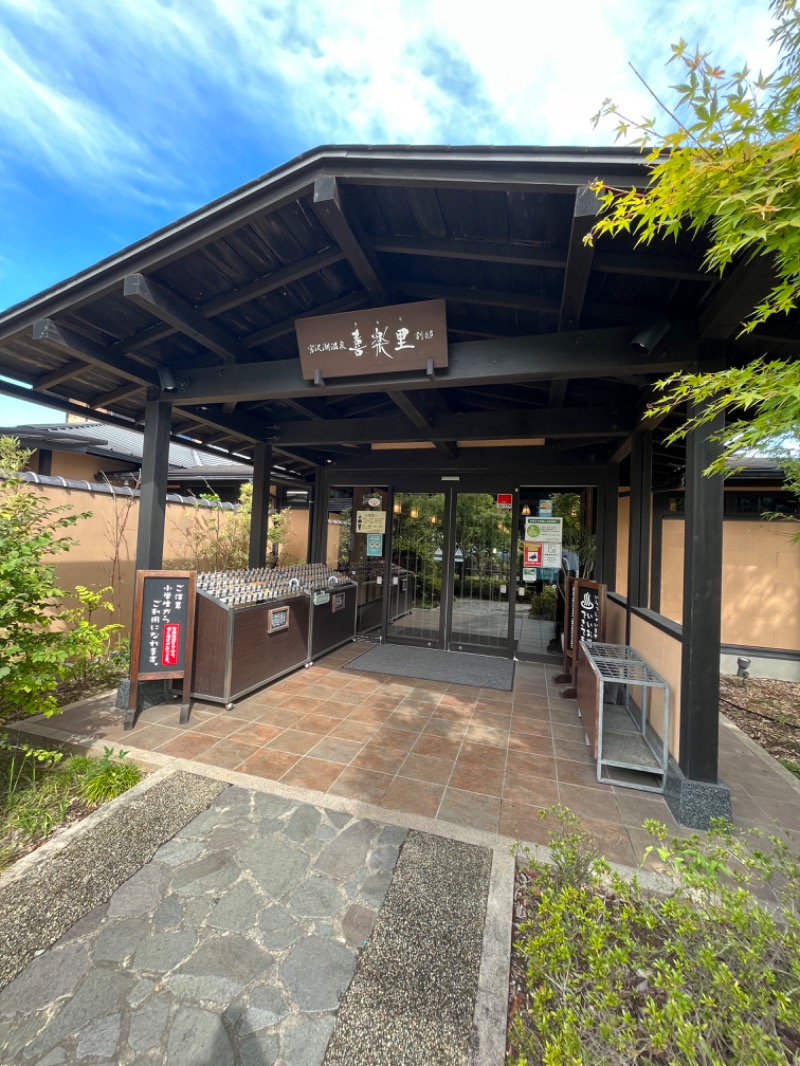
727	164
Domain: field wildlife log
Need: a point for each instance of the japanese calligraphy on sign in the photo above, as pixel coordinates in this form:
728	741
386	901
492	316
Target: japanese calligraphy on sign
587	613
163	626
374	341
163	633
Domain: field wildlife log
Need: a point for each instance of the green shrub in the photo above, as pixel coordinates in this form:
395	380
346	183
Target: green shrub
706	972
106	778
42	640
543	604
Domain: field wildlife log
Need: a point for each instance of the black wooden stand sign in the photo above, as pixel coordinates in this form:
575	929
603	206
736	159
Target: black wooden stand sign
584	619
163	633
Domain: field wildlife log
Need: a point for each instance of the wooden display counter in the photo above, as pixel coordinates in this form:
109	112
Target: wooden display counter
240	648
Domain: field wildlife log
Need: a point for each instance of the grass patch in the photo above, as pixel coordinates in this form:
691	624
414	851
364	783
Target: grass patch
706	972
43	790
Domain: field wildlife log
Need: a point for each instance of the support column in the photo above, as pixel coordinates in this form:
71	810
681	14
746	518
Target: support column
153	499
694	792
639	524
259	519
318	522
606	564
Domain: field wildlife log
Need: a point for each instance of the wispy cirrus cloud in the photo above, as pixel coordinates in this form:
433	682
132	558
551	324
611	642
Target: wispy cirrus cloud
138	92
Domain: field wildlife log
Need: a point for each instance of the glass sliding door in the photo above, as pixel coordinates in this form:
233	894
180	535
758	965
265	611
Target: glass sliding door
483	577
418	536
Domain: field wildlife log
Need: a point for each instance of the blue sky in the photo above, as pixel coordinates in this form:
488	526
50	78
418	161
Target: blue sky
118	118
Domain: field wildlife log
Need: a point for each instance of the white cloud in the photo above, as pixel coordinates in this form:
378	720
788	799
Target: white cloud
145	97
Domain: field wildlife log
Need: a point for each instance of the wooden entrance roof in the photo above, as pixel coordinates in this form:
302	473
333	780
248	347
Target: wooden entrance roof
550	340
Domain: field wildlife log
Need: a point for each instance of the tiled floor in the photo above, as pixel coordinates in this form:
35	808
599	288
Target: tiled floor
481	758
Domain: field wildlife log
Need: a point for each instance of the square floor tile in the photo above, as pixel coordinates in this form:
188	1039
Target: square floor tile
358	783
466	808
413	797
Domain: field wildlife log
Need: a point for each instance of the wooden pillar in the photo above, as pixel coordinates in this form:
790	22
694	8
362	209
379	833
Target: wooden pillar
153	499
606	564
259	519
702	597
318	520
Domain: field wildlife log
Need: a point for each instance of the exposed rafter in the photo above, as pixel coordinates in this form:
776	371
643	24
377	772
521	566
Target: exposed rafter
153	297
411	408
242	294
744	287
284	328
63	373
579	258
661	266
45	329
586	422
363	262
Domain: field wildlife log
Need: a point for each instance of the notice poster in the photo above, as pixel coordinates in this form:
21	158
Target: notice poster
532	555
544	530
370	521
375	545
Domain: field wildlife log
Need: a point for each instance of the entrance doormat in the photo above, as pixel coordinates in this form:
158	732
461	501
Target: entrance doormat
429	664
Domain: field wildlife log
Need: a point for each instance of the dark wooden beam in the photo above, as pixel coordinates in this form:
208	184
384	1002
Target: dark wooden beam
124	392
282	329
363	262
480	251
63	373
242	426
519	301
587	423
159	301
746	285
558	392
45	329
645	422
252	290
579	258
588	354
660	266
412	410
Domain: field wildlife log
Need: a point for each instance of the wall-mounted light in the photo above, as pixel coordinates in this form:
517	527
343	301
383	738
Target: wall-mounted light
414	512
167	379
433	520
526	509
397	507
647	339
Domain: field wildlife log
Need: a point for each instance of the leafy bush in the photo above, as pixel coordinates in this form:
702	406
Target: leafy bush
543	604
706	972
105	779
41	790
42	640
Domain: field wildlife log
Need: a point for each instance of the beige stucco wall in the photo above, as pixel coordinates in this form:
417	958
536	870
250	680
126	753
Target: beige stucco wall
760	581
115	520
76	466
623	528
663	653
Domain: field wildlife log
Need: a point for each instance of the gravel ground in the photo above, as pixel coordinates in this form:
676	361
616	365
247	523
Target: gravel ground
412	999
72	877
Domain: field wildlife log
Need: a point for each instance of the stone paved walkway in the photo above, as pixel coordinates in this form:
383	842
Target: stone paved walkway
234	945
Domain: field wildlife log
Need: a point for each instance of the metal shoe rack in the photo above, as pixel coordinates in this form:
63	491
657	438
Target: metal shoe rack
628	750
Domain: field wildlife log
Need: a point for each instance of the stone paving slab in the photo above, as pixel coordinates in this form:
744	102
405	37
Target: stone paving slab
80	869
234	945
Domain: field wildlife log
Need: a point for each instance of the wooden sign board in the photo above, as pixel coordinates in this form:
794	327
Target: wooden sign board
163	633
584	619
377	340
